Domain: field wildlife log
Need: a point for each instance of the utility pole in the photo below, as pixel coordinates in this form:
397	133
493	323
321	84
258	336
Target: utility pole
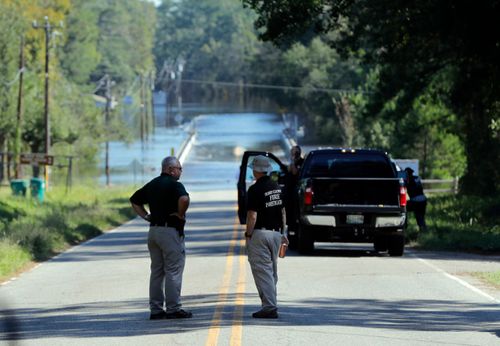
17	157
180	69
167	75
145	119
106	122
142	105
48	31
152	100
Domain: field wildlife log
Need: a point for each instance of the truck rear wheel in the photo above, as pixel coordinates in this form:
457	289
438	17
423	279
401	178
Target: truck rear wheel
305	241
396	245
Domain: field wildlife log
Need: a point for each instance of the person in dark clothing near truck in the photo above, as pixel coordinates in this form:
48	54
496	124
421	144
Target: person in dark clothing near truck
264	234
418	200
168	202
292	177
296	160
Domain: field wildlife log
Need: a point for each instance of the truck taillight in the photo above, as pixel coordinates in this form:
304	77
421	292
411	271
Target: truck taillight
308	196
402	196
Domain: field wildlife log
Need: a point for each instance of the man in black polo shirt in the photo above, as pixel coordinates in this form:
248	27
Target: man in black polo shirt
168	201
264	234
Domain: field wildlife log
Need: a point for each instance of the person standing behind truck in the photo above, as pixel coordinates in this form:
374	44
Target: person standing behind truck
264	234
296	162
418	200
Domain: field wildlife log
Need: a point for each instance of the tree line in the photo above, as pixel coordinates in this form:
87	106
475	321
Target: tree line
88	40
432	72
347	94
416	79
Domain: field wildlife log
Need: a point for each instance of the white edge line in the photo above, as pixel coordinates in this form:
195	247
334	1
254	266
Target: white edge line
453	277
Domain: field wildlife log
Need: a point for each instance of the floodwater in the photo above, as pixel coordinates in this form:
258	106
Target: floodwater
220	143
215	157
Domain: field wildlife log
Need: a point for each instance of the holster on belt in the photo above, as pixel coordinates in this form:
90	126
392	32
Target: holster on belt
177	223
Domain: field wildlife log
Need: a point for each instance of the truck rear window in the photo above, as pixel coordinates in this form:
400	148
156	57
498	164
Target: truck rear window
352	165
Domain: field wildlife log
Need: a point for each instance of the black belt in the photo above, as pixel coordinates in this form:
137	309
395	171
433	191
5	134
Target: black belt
158	224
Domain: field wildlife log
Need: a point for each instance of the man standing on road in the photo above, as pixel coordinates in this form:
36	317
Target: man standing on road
264	234
168	201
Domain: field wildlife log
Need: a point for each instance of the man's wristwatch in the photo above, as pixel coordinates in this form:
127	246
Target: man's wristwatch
247	235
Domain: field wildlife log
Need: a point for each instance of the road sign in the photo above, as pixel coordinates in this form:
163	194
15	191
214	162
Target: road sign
37	159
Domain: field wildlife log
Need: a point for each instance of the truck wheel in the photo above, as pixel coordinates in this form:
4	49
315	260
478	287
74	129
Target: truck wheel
396	245
305	242
380	243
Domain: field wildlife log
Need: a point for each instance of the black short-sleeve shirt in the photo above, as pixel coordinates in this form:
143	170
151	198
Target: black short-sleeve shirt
266	198
162	195
415	187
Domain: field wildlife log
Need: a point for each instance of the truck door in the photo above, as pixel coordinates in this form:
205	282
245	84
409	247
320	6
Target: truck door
246	178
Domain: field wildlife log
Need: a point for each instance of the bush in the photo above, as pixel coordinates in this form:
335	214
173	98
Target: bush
41	230
459	223
12	258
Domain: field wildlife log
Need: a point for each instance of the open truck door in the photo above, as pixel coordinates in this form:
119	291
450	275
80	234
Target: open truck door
246	178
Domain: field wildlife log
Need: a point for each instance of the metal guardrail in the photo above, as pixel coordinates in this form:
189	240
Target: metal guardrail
187	145
452	185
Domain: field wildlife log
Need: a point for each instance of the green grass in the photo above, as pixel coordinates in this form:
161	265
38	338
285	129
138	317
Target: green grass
12	258
492	278
459	223
36	231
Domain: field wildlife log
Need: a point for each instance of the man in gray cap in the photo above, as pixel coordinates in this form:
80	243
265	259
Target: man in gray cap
264	234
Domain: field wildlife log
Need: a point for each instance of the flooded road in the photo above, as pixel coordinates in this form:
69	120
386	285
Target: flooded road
220	142
214	159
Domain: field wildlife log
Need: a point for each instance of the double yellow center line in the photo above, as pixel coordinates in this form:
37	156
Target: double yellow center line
237	322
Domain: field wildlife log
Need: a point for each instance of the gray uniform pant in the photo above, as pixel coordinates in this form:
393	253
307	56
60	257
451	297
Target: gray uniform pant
168	256
263	250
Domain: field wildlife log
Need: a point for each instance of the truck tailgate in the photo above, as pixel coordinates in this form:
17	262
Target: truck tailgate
376	192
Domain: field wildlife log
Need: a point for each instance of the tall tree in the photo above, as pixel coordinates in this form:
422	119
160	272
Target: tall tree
416	45
98	37
80	56
214	37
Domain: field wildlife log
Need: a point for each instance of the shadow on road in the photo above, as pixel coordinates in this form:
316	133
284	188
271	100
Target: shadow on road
129	318
9	324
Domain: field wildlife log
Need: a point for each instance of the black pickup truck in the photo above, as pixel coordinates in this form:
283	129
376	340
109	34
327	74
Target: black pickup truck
342	195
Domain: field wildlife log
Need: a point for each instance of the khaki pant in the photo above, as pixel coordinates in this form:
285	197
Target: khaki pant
168	256
263	250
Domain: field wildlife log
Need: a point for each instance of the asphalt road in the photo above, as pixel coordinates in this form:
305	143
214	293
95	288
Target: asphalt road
96	293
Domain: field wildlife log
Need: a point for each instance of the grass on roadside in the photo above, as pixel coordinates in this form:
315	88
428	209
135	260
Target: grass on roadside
36	231
459	223
12	258
492	278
